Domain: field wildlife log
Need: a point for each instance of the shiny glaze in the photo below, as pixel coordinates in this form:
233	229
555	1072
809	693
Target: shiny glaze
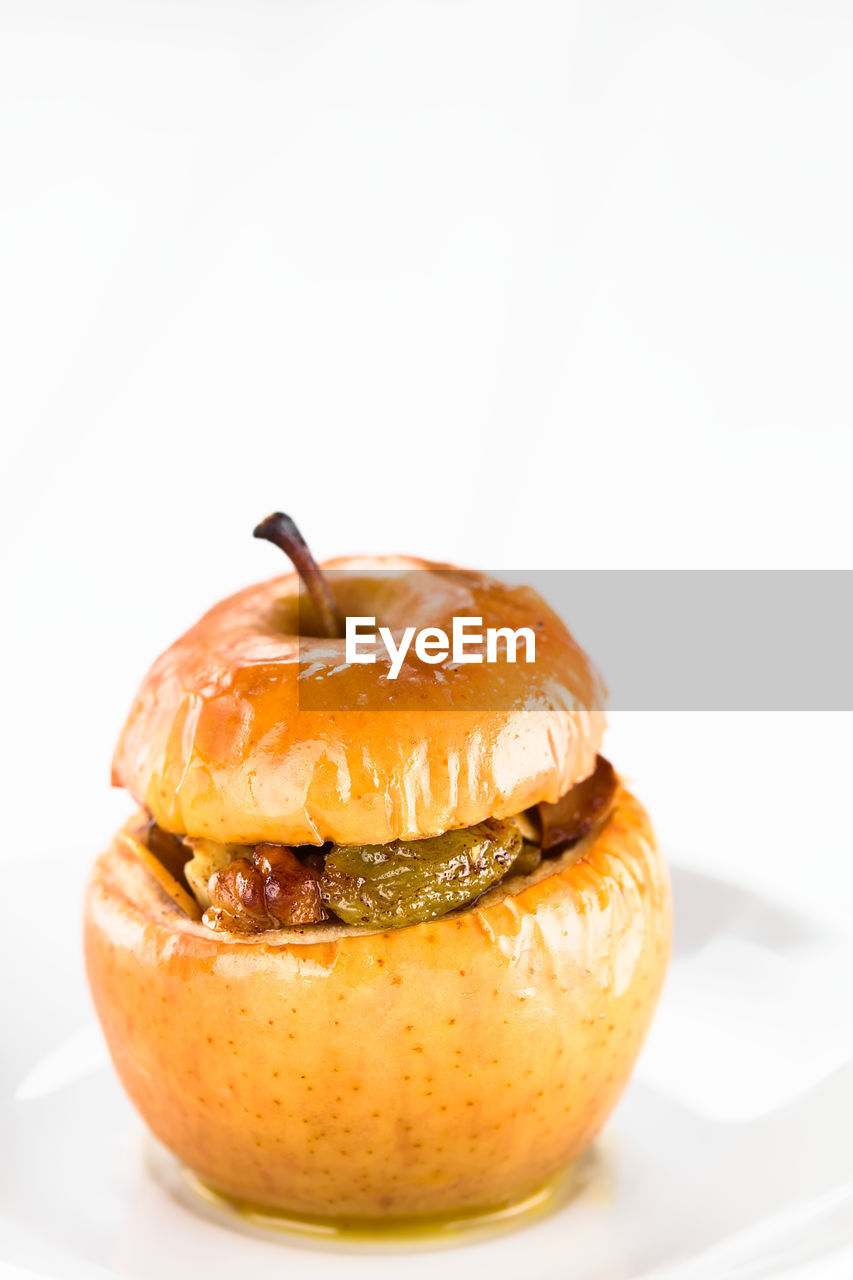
218	745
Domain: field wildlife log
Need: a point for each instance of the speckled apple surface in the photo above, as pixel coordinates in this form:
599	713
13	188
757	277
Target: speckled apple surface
445	1066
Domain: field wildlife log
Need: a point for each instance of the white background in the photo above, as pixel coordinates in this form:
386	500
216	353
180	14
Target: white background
542	284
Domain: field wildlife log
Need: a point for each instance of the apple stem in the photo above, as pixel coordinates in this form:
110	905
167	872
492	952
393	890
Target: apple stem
280	529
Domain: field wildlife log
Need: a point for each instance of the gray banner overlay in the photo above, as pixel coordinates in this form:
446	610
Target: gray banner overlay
703	640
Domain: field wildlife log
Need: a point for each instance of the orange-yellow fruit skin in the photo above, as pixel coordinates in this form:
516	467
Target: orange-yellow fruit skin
445	1066
230	738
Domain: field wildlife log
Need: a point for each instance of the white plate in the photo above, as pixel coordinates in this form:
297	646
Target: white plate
728	1157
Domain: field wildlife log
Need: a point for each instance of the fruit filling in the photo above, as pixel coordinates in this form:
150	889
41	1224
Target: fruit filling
250	889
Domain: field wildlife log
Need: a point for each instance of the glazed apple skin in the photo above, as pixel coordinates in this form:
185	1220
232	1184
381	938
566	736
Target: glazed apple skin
446	1066
222	741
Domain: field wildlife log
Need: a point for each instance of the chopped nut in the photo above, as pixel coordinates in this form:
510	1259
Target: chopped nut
270	890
